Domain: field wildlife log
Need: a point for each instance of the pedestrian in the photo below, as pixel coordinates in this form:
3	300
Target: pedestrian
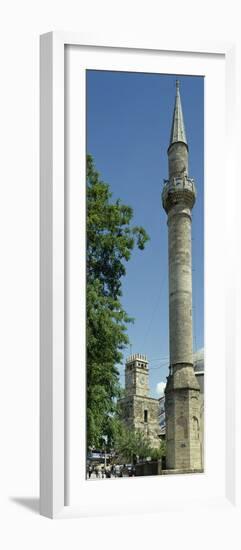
89	471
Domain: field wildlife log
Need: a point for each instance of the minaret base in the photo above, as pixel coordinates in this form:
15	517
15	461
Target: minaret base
182	401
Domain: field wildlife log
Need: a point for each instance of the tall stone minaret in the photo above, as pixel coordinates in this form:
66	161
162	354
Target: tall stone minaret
182	394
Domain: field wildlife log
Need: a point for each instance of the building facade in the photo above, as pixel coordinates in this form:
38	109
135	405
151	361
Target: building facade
138	410
182	392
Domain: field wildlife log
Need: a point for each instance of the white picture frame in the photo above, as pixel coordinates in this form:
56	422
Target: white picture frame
58	467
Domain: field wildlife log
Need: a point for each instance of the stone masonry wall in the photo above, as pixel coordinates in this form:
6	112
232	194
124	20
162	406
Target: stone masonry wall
180	285
133	413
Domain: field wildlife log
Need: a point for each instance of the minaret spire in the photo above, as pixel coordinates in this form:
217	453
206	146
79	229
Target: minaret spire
178	129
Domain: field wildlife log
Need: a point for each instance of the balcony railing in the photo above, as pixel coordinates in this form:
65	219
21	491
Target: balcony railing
179	183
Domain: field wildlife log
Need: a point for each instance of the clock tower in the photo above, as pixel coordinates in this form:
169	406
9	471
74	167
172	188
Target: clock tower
138	410
136	375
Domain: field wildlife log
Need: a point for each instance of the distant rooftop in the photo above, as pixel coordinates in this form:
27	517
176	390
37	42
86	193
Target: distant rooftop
198	358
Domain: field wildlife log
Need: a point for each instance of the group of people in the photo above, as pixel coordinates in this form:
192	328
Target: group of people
100	471
115	470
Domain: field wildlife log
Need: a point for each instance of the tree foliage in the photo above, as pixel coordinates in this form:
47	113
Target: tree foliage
131	444
110	241
158	453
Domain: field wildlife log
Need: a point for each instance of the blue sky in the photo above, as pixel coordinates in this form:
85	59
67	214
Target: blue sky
129	118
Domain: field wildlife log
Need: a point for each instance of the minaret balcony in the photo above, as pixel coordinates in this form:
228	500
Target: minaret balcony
178	190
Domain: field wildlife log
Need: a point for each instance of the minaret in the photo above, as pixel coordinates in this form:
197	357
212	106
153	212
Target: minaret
182	394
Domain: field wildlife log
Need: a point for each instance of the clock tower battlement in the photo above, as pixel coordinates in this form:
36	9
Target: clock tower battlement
137	375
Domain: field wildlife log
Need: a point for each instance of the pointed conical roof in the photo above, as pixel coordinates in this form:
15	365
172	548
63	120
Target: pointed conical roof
178	129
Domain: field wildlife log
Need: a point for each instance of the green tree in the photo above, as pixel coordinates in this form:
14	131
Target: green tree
110	241
131	444
158	453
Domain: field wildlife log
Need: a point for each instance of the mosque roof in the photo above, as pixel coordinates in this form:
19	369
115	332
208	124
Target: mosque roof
198	359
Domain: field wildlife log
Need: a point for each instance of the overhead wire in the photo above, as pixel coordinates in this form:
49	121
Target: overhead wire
155	307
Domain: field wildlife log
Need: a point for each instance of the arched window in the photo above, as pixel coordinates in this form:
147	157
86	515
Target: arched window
195	427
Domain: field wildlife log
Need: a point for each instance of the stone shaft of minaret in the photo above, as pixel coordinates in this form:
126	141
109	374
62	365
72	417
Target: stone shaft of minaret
180	285
178	202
